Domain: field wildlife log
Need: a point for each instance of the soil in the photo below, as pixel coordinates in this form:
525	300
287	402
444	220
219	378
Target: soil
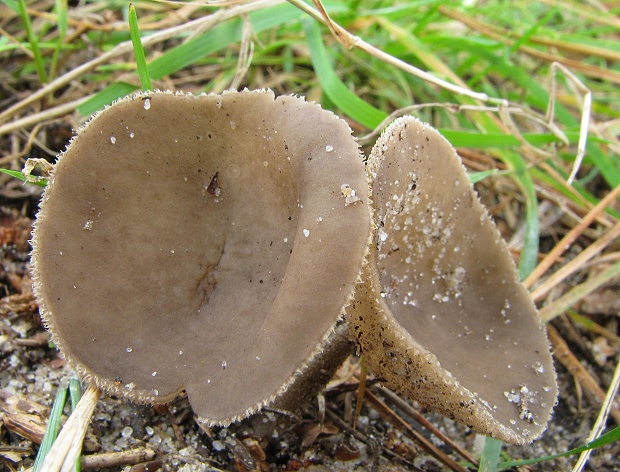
170	439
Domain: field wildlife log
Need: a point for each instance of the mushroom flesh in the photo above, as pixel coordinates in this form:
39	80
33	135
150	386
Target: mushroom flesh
203	244
442	316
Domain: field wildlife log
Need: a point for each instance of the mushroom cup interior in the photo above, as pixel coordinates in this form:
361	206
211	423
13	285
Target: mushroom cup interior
442	316
201	244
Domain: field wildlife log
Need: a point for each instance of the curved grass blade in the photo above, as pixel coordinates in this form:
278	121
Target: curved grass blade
18	175
606	438
334	88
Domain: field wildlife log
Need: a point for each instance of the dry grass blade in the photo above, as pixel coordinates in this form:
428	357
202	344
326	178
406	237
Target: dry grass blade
389	59
571	237
504	37
126	47
338	31
569	299
599	426
361	392
585	112
563	354
66	449
394	418
406	408
586	12
334	418
573	48
577	263
36	118
246	51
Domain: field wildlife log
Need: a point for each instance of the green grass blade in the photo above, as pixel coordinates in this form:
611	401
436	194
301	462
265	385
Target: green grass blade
138	50
18	175
105	97
606	438
475	177
75	392
53	426
334	88
477	140
12	4
194	50
490	455
531	31
34	42
188	53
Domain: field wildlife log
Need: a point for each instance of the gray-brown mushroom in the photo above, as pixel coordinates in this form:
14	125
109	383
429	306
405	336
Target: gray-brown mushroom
203	244
442	317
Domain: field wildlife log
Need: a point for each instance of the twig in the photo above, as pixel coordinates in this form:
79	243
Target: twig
117	459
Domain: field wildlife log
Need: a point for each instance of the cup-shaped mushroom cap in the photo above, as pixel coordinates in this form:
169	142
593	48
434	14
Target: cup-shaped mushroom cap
442	317
201	244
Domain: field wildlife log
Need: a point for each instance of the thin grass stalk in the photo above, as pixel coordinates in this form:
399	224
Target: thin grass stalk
32	39
606	438
62	22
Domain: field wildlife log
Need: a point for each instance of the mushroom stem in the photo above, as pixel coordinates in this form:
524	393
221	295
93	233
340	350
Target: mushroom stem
68	446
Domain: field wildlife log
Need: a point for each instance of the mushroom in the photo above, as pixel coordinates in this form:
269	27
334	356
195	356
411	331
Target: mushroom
203	244
442	317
